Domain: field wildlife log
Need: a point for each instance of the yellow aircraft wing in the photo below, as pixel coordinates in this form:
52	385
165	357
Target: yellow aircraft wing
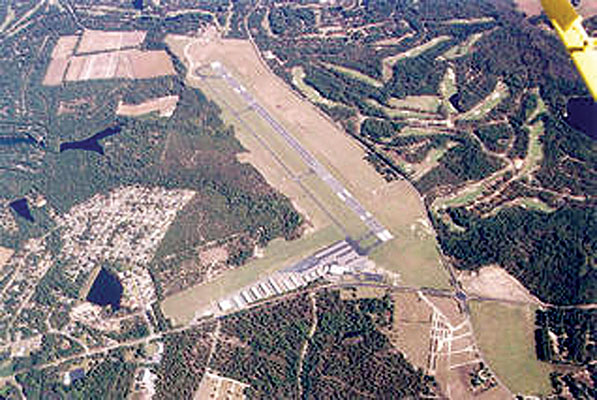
582	48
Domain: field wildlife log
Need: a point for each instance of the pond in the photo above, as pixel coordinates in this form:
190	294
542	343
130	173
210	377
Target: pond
91	143
21	207
106	290
582	115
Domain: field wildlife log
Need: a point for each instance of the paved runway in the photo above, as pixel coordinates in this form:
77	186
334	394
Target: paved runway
375	226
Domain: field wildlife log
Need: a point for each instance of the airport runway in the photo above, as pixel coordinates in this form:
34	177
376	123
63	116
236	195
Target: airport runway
373	224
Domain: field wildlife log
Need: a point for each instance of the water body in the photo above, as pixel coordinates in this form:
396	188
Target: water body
582	115
138	4
92	143
21	207
15	140
455	101
106	290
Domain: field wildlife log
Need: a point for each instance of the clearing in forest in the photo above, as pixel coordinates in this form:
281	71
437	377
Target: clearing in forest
165	106
388	62
353	73
496	283
5	254
505	335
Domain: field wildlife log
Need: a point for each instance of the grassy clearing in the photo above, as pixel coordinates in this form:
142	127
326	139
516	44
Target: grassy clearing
489	103
353	73
413	251
278	254
462	49
389	62
298	76
423	103
535	152
399	113
505	335
467	196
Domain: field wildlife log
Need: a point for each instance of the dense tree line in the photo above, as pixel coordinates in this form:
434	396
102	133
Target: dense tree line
550	253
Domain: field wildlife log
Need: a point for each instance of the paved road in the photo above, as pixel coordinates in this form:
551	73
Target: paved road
345	196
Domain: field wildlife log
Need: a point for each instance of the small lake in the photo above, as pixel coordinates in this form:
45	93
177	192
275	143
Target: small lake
91	143
21	207
455	101
106	290
582	115
138	4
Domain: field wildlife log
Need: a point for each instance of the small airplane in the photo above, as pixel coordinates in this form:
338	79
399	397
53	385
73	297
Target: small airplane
582	48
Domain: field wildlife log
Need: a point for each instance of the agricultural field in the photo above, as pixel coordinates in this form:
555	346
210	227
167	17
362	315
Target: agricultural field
504	335
165	107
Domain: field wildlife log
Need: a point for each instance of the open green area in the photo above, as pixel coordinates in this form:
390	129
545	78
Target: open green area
505	335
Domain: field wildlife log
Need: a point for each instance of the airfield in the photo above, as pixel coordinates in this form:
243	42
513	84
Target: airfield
313	162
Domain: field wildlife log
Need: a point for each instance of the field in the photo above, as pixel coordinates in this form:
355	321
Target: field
165	107
96	41
494	282
101	61
354	74
505	335
298	76
182	306
389	62
5	254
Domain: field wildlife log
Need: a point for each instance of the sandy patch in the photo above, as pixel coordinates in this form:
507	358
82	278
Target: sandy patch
5	254
165	106
494	282
55	72
65	46
95	41
213	256
132	64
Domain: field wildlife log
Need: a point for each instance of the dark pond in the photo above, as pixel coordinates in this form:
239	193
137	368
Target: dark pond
14	140
106	290
21	207
455	101
92	143
582	115
138	4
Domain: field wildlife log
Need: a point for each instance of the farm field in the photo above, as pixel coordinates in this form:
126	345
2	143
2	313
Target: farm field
95	41
504	334
182	306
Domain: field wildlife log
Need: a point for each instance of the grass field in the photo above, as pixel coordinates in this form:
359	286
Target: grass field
355	74
388	62
464	48
505	336
278	254
535	152
487	104
298	76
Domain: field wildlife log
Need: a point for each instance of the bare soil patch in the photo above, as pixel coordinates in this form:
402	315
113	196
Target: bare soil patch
494	282
165	106
65	46
95	41
131	64
55	72
5	254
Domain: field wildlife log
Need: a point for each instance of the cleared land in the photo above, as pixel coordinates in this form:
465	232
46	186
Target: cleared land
355	74
165	107
95	41
298	76
389	62
499	93
131	63
494	282
5	254
505	335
